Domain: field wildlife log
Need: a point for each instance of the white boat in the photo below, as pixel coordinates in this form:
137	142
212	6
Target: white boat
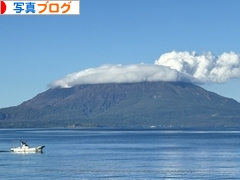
24	148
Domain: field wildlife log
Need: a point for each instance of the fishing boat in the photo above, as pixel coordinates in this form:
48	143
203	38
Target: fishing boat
24	148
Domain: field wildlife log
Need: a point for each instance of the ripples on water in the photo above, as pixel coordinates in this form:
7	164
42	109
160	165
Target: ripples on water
121	154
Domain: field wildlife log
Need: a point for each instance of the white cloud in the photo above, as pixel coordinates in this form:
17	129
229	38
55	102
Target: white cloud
173	66
120	74
207	68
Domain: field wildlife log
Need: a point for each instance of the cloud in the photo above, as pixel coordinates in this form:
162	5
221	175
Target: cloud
207	68
120	74
173	66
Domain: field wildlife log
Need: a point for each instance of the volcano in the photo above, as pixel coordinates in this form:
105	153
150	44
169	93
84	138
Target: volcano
125	105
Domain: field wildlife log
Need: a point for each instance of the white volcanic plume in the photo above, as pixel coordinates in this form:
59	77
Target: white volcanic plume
173	66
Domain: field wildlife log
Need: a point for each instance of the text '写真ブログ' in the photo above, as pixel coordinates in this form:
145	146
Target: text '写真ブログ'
40	7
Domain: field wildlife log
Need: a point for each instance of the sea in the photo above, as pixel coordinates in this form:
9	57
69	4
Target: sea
121	154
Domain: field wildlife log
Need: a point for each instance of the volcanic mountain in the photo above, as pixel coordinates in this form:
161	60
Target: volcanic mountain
145	104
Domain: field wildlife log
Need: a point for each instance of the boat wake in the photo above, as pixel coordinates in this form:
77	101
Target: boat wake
4	151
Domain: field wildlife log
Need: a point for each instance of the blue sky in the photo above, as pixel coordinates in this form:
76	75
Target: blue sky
36	50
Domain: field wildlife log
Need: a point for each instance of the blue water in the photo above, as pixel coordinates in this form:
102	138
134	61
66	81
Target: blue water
121	154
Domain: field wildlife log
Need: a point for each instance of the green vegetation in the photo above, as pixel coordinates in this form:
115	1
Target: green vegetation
160	104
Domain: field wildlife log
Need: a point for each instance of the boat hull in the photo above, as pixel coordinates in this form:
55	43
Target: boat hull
24	149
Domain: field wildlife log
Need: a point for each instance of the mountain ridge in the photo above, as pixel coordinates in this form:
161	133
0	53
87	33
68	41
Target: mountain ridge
145	104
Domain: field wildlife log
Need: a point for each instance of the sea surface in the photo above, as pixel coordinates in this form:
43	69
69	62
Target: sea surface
121	154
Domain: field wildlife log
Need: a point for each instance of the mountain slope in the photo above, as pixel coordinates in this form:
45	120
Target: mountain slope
143	104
